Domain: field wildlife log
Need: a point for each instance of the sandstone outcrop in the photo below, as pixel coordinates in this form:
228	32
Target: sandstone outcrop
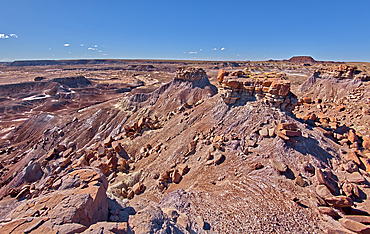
273	91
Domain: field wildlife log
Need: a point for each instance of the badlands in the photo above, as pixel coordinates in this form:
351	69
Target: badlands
161	146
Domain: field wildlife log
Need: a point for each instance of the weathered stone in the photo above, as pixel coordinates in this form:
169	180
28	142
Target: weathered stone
352	137
176	176
300	181
287	126
271	132
350	166
354	226
292	133
165	176
33	172
108	227
219	157
323	178
355	177
347	189
328	211
351	155
183	169
107	142
281	167
116	146
339	201
366	162
64	162
323	191
138	188
263	132
71	204
359	218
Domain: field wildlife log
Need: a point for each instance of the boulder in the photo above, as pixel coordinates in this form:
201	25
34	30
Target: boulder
355	177
176	176
328	211
366	162
281	167
324	178
32	172
352	137
116	146
354	226
339	201
138	188
323	191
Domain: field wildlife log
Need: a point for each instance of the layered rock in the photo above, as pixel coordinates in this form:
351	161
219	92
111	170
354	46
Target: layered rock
274	91
190	73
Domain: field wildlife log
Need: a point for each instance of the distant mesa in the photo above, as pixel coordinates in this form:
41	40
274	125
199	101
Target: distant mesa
302	59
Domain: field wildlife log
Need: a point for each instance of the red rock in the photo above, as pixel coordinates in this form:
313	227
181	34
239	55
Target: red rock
112	162
220	76
287	126
366	162
183	169
323	178
280	87
232	83
339	201
341	108
60	148
307	100
108	141
291	133
313	117
138	188
282	136
366	144
354	226
352	137
102	151
176	176
116	146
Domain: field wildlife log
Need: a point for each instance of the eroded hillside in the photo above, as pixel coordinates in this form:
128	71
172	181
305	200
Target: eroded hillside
269	147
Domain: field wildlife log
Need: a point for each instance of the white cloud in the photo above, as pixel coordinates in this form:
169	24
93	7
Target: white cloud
100	51
95	46
200	49
66	45
222	48
70	52
104	54
49	48
193	52
92	48
184	52
214	49
6	36
81	44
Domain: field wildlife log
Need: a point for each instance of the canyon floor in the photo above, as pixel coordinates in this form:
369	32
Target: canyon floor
134	146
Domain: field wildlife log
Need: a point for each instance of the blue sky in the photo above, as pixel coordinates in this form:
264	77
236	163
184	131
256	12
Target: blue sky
209	30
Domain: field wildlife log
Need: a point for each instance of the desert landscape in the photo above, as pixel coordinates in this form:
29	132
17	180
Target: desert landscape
182	146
